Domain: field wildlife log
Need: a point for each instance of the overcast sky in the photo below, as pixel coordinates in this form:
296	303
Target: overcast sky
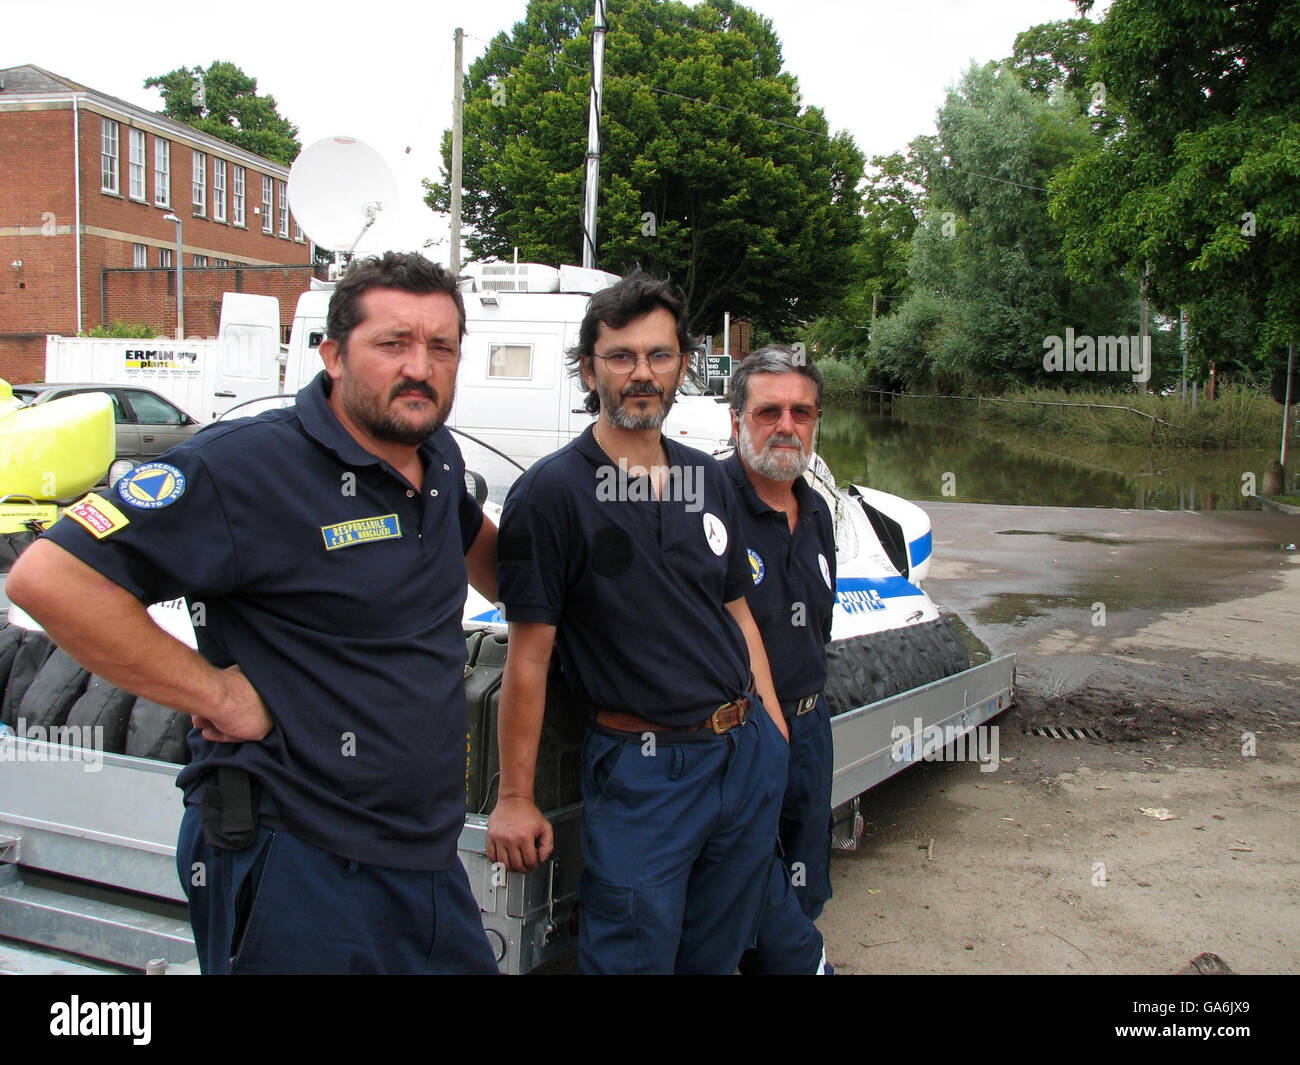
382	70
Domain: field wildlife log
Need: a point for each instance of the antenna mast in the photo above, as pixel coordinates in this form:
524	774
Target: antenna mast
457	140
592	188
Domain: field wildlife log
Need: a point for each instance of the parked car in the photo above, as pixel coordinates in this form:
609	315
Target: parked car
147	424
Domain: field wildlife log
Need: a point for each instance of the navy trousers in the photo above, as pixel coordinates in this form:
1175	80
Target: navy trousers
785	944
284	906
678	837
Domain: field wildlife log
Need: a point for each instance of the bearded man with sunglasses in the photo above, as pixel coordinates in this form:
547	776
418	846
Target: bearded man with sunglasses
643	594
775	398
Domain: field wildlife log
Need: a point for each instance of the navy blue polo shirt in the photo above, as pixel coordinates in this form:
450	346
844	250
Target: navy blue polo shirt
338	588
636	586
788	569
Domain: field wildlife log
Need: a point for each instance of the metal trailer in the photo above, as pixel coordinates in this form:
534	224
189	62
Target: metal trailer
88	839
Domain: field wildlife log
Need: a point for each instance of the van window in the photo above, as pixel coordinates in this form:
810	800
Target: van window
510	360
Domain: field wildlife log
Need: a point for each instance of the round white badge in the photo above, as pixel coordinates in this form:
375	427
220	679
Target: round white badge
715	532
826	570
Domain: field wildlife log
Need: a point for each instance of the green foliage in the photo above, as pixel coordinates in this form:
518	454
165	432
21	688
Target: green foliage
1239	418
1200	187
223	102
711	169
892	206
988	279
842	379
121	330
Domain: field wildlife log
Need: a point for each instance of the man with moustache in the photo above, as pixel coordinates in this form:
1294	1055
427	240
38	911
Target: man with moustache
329	544
775	397
644	597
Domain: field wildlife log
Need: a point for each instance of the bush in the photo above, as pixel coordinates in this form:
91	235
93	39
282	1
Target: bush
122	331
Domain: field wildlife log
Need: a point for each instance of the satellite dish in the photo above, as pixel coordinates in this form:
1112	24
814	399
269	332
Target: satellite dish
339	188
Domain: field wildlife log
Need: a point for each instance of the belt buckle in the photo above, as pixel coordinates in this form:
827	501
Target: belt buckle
735	704
805	705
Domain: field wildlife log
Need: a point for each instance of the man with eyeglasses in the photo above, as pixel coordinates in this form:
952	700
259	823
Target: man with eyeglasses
775	398
644	597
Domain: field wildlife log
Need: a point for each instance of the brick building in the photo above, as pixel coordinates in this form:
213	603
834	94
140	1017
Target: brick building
86	183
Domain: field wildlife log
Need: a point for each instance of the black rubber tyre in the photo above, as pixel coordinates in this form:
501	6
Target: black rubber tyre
157	732
866	669
51	695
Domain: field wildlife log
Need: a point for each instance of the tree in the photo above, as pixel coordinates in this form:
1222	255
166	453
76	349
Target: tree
987	274
893	202
223	101
1199	191
711	170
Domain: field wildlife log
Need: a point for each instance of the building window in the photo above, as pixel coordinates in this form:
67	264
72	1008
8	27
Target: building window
140	256
268	190
137	164
200	260
164	257
220	262
200	183
237	194
297	232
284	209
162	172
108	155
219	190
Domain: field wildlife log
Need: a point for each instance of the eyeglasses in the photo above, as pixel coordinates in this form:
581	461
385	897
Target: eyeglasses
624	362
800	414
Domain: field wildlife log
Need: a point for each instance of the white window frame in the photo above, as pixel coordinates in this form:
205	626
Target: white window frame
108	156
237	184
199	184
200	261
140	256
162	172
138	163
218	190
165	258
268	204
220	263
284	208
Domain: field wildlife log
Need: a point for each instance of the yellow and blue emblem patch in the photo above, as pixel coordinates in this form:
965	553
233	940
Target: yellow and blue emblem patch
756	568
361	531
151	486
97	516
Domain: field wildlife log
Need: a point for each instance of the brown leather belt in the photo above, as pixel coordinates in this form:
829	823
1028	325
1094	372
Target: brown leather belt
723	719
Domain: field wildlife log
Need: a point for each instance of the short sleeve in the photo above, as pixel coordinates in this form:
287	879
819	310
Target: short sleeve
739	582
534	558
469	512
828	541
162	533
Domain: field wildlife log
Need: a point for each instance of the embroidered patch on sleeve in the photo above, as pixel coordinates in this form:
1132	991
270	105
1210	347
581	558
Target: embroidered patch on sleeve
97	516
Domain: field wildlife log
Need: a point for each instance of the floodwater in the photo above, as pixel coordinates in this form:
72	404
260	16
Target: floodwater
966	461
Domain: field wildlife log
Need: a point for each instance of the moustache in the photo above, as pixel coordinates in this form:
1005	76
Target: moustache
783	440
642	388
419	387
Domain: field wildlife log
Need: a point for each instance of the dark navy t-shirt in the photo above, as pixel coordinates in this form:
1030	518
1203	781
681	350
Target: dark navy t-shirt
338	588
792	587
636	586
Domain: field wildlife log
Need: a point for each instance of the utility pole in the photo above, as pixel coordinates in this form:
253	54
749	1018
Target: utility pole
457	145
592	189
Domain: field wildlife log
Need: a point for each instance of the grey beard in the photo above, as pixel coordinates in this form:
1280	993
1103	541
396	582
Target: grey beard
770	465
